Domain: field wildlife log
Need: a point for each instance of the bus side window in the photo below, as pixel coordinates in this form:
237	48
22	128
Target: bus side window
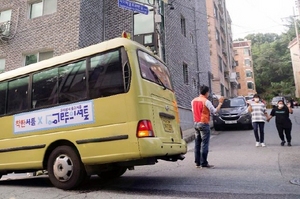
3	97
72	82
106	75
17	95
44	88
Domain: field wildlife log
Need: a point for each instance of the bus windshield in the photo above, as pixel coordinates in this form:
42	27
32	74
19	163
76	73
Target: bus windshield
152	69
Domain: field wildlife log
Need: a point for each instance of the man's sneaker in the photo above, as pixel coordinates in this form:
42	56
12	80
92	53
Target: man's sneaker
208	166
282	143
257	144
263	144
198	166
289	144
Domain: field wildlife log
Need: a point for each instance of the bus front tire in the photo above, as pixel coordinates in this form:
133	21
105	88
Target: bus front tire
113	173
65	168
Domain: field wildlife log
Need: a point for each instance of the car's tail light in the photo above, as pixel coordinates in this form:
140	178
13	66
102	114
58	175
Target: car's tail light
144	129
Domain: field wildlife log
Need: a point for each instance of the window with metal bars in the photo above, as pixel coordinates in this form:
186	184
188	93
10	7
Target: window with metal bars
185	74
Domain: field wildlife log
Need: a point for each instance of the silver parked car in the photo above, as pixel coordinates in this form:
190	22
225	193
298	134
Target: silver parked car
276	99
233	112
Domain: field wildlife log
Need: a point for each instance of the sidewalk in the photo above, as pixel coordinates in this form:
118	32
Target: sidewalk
189	134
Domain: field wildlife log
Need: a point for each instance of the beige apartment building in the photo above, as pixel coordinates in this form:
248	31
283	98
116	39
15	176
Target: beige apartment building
224	77
244	67
295	57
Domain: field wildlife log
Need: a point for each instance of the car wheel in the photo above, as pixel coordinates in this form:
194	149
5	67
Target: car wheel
65	168
217	128
250	126
113	173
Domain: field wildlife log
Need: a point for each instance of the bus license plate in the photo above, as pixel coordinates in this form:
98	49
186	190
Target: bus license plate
167	125
231	122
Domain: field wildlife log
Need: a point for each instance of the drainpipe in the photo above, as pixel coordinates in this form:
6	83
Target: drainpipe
103	22
197	58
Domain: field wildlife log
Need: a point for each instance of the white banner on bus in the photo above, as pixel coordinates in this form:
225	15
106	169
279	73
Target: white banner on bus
61	116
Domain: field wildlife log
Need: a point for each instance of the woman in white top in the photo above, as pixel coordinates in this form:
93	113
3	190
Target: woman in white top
259	116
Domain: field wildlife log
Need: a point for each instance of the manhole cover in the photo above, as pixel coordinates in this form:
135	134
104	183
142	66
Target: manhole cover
295	181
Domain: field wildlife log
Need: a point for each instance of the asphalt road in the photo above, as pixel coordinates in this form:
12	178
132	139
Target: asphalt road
242	171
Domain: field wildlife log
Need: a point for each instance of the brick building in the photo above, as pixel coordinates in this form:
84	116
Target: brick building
224	81
32	31
244	67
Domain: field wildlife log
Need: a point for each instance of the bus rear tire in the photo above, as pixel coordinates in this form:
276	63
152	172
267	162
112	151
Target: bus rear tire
113	173
65	168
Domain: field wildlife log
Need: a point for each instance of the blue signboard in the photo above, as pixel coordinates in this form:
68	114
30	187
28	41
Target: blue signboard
129	5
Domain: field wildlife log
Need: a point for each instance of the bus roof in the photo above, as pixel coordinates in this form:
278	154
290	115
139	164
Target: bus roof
74	55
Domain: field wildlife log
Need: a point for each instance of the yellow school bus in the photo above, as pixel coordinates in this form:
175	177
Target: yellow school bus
99	110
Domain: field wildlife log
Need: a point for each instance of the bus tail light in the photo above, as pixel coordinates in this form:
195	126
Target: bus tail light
144	129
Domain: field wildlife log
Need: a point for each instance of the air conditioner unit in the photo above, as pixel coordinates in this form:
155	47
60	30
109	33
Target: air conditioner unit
4	29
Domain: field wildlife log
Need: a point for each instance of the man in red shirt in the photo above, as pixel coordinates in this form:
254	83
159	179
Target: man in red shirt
202	109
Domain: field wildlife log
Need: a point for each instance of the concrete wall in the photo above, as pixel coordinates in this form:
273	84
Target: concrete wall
181	49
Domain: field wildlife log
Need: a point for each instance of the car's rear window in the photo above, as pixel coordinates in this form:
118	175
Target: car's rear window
249	98
277	98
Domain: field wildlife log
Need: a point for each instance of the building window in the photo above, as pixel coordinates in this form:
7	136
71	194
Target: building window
5	16
185	74
239	86
183	26
220	64
34	58
216	12
194	83
139	23
246	52
236	63
247	62
222	90
238	75
144	34
249	73
2	65
192	38
217	37
42	7
235	52
250	85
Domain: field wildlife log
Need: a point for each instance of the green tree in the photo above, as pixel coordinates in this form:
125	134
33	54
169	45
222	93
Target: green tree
272	63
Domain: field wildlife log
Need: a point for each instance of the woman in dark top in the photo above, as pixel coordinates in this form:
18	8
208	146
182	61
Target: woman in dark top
283	122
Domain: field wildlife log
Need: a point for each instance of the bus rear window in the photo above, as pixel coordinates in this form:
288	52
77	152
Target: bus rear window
154	70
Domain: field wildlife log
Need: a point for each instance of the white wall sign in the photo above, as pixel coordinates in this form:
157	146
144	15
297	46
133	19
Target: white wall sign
61	116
